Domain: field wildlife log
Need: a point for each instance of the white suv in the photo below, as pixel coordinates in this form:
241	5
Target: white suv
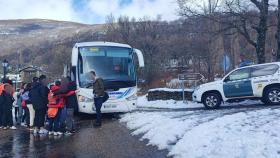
260	81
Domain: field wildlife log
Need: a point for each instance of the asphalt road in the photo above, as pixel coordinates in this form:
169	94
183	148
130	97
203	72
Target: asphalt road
112	140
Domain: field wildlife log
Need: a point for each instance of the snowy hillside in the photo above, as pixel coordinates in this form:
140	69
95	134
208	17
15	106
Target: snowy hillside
19	34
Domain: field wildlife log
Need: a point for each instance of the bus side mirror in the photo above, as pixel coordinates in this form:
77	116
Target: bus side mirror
140	57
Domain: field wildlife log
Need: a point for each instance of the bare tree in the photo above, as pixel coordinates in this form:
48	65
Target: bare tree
278	32
260	28
237	14
206	28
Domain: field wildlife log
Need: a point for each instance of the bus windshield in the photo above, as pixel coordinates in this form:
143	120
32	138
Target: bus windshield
113	64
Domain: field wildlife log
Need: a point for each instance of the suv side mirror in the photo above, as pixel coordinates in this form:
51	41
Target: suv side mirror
226	79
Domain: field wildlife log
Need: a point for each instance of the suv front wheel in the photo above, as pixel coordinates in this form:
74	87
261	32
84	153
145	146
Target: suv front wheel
212	100
272	96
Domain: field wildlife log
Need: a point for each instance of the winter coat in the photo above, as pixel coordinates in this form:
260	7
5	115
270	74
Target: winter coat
98	87
25	96
39	96
6	96
69	89
55	101
6	100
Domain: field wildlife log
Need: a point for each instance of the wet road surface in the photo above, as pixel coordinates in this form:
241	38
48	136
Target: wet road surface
112	140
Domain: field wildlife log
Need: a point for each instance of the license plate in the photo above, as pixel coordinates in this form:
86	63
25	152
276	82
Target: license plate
110	106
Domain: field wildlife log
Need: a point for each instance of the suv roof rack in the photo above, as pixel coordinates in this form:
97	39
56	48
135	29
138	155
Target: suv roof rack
245	63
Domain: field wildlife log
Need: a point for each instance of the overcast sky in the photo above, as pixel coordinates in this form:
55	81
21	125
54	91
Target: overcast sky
86	11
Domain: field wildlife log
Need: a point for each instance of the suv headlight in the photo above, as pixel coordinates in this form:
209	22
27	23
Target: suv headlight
197	88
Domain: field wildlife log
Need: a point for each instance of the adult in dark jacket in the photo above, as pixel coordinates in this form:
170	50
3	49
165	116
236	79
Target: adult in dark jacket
39	99
71	102
99	93
8	88
6	100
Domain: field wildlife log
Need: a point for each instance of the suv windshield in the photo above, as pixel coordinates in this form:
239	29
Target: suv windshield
239	74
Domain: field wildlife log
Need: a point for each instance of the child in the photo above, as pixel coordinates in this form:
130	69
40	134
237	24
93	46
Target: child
16	105
25	102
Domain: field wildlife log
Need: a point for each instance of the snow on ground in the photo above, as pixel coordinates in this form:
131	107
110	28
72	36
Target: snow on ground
170	90
210	133
251	134
142	102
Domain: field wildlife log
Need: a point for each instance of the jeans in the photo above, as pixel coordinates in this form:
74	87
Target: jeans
98	104
70	119
1	114
62	120
25	117
55	122
16	113
39	120
20	111
7	117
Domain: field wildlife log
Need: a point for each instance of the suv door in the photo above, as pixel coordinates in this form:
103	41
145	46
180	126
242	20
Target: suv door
238	84
261	76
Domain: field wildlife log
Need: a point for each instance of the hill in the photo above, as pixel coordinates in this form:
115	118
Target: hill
39	41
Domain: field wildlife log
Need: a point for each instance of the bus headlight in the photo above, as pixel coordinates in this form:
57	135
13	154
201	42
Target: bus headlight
133	97
84	99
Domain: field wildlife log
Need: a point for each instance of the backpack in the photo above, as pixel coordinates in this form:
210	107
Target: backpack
52	112
23	104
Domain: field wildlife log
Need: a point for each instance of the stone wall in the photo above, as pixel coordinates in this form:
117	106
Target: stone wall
167	95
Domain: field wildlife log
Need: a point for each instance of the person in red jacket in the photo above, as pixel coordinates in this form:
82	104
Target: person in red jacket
55	105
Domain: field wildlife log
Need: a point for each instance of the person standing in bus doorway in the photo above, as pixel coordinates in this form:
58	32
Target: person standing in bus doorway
99	93
39	99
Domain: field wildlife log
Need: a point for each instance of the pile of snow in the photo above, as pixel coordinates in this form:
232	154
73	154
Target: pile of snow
222	133
142	102
170	90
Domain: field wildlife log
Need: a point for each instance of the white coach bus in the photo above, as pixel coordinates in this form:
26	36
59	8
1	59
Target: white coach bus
115	63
